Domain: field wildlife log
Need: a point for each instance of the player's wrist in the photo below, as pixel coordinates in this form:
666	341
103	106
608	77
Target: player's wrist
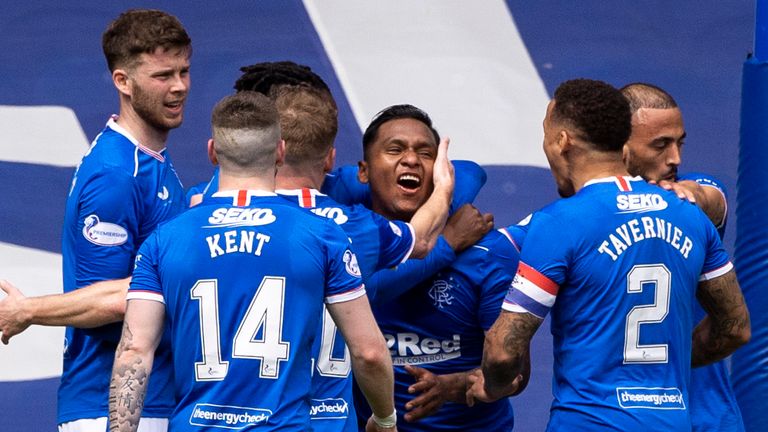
386	422
26	311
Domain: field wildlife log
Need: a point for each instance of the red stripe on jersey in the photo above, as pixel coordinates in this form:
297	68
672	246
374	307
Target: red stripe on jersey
242	198
623	185
537	278
306	198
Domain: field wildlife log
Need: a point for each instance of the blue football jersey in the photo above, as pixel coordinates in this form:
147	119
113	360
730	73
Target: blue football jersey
243	277
120	192
377	243
713	402
440	325
618	264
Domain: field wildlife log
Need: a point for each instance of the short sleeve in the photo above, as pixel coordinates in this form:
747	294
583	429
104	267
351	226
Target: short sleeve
108	227
542	268
145	283
343	279
501	264
717	262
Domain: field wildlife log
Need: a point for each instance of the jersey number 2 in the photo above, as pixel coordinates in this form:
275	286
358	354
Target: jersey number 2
640	276
264	314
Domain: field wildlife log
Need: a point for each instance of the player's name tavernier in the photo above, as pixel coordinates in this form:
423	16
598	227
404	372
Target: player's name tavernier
644	228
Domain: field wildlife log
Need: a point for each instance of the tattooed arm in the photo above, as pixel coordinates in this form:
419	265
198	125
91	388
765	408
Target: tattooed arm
726	326
506	358
142	329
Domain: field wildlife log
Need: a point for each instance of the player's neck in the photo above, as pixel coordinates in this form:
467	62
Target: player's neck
233	182
145	134
598	168
292	177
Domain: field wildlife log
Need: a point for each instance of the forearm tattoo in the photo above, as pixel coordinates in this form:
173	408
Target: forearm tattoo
128	387
512	339
718	335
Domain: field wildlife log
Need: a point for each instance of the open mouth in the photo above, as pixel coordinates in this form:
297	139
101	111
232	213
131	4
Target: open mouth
174	106
409	182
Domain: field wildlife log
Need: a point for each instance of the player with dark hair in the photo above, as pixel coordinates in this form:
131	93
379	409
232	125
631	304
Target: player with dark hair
618	263
308	122
241	280
263	77
123	188
654	151
439	324
341	183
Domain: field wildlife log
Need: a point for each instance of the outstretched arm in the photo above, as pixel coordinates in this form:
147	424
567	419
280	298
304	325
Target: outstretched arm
135	354
726	326
92	306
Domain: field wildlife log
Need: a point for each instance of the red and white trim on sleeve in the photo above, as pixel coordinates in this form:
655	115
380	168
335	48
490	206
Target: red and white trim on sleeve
716	272
145	295
347	295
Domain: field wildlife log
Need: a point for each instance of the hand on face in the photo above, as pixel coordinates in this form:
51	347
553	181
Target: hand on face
399	168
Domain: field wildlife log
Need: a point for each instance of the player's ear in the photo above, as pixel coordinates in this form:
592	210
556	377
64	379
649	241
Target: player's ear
625	154
121	81
280	153
362	172
564	141
212	152
330	160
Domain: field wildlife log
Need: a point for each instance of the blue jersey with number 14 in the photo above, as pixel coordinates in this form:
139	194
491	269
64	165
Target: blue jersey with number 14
243	277
618	264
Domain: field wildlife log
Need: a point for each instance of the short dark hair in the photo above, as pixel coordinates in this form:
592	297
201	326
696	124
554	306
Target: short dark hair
254	114
395	112
263	77
644	95
141	31
308	122
597	110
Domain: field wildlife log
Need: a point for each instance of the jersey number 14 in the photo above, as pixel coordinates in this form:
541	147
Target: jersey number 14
264	315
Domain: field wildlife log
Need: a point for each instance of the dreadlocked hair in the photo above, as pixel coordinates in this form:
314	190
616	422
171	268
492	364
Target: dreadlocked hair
264	77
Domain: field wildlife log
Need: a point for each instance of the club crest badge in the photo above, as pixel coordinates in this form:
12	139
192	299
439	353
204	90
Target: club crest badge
440	292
